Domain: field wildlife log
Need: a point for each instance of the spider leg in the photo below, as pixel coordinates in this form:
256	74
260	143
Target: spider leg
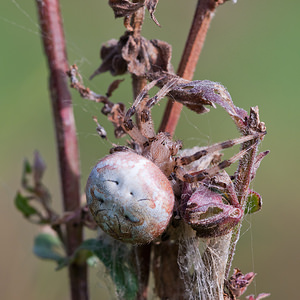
138	101
142	107
146	131
212	171
144	120
185	160
133	131
223	183
117	116
162	93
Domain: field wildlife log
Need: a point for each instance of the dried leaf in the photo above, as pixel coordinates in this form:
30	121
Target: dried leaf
112	60
113	86
208	93
259	297
238	282
135	54
138	56
123	8
151	6
196	94
161	57
39	168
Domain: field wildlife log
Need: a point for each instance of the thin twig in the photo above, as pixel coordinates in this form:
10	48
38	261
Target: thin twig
194	44
54	46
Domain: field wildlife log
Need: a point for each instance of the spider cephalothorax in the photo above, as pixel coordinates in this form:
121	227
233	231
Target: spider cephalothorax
131	192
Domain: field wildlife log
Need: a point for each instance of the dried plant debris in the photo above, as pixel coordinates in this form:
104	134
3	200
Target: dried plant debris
193	94
213	208
237	285
137	56
125	8
208	201
152	59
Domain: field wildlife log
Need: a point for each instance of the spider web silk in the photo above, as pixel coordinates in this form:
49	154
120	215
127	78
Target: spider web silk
116	271
202	264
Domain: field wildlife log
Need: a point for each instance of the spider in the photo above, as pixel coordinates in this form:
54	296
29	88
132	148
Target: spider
133	192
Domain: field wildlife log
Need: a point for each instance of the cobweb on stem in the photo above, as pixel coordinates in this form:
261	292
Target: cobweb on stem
119	276
202	264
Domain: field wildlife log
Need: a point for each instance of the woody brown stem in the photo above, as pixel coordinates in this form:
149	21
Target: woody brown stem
142	254
137	21
166	254
54	46
138	83
142	264
189	59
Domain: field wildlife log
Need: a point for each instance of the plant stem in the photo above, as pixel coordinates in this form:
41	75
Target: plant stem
194	44
242	189
142	264
54	46
142	254
166	254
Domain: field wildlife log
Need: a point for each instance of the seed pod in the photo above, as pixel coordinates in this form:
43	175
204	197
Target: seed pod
129	197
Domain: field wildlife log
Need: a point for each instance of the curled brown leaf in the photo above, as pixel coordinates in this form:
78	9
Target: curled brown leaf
138	56
125	8
238	282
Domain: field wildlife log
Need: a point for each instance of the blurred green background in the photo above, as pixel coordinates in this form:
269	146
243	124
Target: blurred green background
252	48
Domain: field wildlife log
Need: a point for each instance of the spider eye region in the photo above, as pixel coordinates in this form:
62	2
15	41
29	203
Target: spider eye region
129	197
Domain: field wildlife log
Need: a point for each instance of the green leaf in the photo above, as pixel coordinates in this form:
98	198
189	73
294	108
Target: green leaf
112	256
22	204
27	169
47	246
254	203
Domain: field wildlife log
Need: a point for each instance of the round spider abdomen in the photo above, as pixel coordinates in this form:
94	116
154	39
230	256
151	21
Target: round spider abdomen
129	197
